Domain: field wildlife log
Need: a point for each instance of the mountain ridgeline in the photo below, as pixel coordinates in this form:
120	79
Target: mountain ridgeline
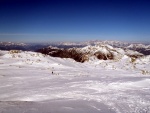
102	52
83	51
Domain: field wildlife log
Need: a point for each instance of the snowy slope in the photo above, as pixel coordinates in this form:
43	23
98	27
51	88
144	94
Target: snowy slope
35	83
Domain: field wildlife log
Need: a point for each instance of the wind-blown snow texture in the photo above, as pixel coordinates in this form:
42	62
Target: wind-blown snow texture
34	83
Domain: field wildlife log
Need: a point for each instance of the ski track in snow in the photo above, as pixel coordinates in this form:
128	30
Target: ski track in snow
27	85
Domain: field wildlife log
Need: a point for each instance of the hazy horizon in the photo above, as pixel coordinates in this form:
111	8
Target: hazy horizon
77	42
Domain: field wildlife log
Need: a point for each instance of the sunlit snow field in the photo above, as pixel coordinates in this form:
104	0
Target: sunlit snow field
34	83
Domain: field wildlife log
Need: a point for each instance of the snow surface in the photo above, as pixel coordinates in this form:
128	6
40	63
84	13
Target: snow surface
27	85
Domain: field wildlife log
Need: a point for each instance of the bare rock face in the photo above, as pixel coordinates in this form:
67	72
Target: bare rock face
103	56
64	53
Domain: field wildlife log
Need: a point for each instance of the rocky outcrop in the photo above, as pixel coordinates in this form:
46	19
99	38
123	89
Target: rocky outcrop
64	53
103	56
14	51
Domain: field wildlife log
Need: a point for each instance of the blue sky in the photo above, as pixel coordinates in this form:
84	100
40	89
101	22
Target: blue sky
74	20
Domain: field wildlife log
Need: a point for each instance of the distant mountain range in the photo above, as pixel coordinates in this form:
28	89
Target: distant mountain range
143	48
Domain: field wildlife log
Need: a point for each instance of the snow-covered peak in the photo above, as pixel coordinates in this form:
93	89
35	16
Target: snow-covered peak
132	52
97	48
142	48
136	46
52	47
